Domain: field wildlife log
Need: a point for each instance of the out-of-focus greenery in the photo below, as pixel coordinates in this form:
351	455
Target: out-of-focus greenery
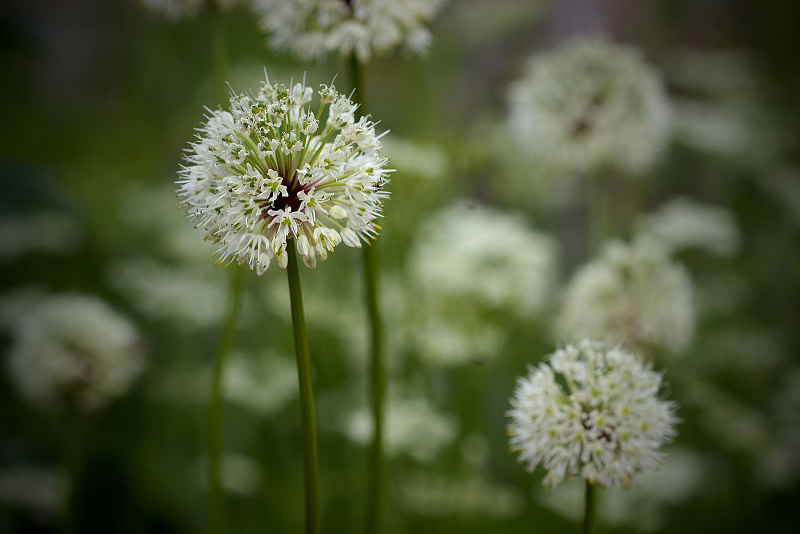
99	101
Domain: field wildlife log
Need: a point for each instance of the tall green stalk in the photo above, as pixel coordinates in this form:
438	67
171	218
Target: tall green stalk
599	211
74	448
589	508
376	493
216	408
307	418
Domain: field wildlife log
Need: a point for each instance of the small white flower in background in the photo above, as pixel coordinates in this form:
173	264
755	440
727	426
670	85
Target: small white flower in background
590	104
485	254
591	412
685	223
633	293
48	232
269	171
314	28
74	348
413	427
174	10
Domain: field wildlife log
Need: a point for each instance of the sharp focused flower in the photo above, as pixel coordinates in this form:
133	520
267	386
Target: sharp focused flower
267	172
591	412
588	105
634	294
315	28
74	348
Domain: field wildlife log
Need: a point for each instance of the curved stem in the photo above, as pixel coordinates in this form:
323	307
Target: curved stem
588	514
376	494
307	418
216	408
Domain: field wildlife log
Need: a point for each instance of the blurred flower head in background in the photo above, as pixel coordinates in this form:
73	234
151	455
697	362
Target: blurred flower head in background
633	293
74	348
588	105
683	223
314	28
485	254
591	412
265	173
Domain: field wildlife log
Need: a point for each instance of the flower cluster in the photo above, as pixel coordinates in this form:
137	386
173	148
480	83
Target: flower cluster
633	294
267	172
588	105
74	348
314	28
591	412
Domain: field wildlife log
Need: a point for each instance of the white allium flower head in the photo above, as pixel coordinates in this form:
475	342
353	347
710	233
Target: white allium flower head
174	10
314	28
270	171
633	293
486	254
590	104
74	348
591	412
685	223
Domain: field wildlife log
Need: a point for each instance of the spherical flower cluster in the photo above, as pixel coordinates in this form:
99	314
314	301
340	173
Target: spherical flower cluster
267	172
634	294
588	105
313	28
178	9
591	412
74	348
487	255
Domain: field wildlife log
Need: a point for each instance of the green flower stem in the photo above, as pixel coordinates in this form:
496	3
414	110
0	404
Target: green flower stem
376	493
74	449
599	211
588	515
216	408
219	41
308	422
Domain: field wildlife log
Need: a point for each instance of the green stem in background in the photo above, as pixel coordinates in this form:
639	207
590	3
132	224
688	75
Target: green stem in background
599	211
216	408
376	492
588	514
219	40
74	449
307	418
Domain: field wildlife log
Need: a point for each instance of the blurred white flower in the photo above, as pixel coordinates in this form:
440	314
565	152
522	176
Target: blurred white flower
426	160
634	294
591	412
39	490
74	348
685	223
49	232
485	254
314	28
174	10
412	427
447	337
265	173
590	104
438	495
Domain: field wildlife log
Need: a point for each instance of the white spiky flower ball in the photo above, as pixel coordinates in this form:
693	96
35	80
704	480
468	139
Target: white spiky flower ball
269	171
589	105
592	412
315	28
633	293
74	348
174	10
